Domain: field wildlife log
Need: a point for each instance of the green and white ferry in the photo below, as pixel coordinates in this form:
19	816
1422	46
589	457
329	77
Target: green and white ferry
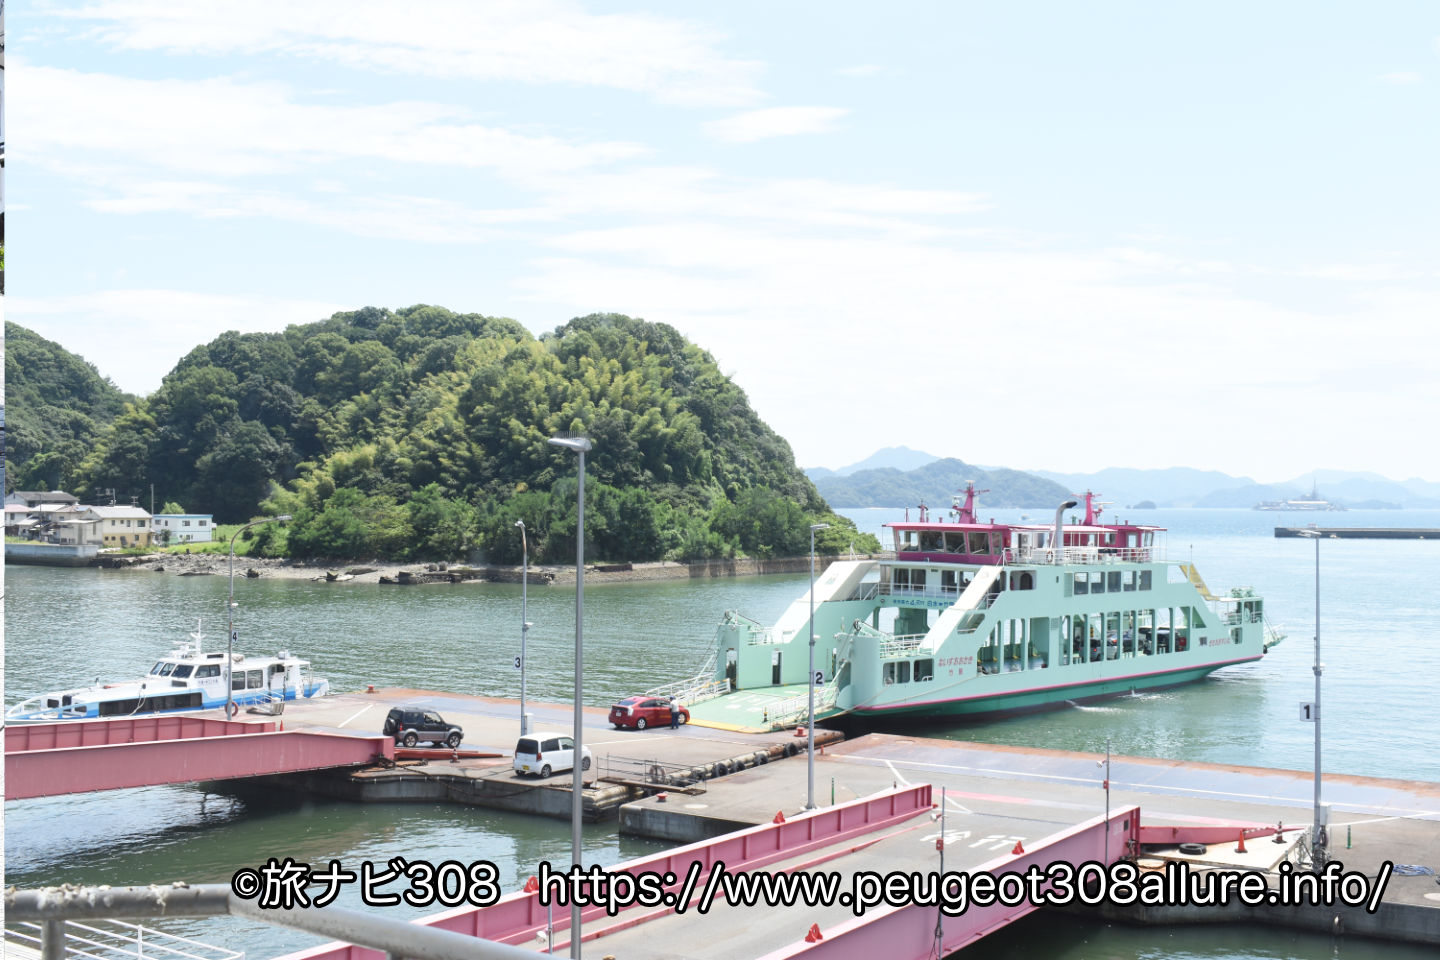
975	618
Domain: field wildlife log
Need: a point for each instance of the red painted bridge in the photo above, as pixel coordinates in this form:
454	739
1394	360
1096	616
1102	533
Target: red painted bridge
49	759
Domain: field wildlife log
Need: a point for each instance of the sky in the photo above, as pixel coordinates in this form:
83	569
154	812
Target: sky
1043	235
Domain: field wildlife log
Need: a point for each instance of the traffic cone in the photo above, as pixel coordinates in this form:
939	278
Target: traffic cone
779	817
1018	849
814	936
1241	847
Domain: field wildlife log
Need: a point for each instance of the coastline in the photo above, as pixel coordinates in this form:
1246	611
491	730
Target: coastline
419	573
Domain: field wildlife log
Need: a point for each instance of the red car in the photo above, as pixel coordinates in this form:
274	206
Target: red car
642	712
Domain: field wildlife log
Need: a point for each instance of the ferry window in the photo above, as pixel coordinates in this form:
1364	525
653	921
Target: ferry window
1097	583
255	679
158	665
889	673
924	670
908	541
917	579
208	670
979	543
954	543
1129	580
1144	579
1113	584
166	670
1082	583
901	576
182	670
947	581
930	541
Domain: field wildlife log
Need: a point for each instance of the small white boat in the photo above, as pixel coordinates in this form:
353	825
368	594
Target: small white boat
188	678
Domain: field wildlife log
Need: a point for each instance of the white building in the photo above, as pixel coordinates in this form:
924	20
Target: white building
184	527
120	526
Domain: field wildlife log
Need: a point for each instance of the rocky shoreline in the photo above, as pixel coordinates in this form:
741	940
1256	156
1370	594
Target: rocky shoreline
339	574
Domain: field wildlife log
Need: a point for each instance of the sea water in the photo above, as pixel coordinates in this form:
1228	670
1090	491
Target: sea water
66	627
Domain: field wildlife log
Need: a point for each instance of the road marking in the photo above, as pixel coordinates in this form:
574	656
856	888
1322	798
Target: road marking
354	715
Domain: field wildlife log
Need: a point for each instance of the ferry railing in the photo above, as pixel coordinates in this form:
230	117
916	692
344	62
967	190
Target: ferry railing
117	940
905	590
53	909
903	645
1081	555
794	710
657	773
697	689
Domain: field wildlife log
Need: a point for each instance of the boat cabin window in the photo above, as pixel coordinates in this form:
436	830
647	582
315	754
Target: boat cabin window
906	540
182	670
164	668
930	541
1144	579
1127	580
1022	580
1113	581
954	543
924	670
979	543
1082	584
208	670
897	672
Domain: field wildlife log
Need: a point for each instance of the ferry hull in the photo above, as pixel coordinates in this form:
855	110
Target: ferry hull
1038	698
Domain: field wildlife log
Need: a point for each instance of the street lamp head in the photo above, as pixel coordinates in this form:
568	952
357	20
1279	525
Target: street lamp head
520	524
578	444
282	518
819	526
1309	534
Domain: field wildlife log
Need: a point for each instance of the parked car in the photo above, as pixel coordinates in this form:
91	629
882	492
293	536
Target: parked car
410	725
547	753
642	712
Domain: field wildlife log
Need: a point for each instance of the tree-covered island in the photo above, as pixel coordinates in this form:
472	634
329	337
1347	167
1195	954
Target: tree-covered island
422	434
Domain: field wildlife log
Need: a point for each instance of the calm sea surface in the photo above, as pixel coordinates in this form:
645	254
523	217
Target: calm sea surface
66	627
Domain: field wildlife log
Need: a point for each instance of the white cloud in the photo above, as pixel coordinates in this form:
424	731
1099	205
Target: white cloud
1402	77
531	41
228	127
774	122
861	70
135	337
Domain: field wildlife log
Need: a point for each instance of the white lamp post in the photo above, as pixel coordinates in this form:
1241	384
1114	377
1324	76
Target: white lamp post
581	446
524	623
810	680
1317	830
230	609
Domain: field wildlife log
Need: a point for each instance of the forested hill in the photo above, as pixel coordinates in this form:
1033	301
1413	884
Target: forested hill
57	406
423	433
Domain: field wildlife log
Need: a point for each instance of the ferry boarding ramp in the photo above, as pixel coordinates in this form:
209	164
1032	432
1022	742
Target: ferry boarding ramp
760	710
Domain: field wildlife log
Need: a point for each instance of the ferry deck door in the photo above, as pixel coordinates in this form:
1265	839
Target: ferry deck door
775	668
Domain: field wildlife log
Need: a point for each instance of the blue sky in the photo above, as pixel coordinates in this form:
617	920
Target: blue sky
1043	235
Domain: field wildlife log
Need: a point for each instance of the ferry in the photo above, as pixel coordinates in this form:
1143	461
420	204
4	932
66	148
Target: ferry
974	618
187	678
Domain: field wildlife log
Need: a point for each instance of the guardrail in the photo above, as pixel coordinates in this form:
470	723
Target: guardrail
656	772
115	940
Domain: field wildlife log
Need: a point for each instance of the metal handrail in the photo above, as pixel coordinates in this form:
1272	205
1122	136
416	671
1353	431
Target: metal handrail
52	907
110	942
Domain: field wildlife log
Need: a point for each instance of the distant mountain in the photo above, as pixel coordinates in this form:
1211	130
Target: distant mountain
1172	487
896	458
1355	488
1246	496
935	483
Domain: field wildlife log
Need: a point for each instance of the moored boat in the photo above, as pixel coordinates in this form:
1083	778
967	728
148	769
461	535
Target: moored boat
975	618
187	678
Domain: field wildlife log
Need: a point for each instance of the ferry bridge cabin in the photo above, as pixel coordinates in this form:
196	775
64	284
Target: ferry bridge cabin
983	617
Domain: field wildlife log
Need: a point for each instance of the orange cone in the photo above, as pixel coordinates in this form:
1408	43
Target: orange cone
1241	848
1018	849
779	817
814	936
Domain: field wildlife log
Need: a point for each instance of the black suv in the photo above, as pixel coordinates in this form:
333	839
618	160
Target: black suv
410	725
